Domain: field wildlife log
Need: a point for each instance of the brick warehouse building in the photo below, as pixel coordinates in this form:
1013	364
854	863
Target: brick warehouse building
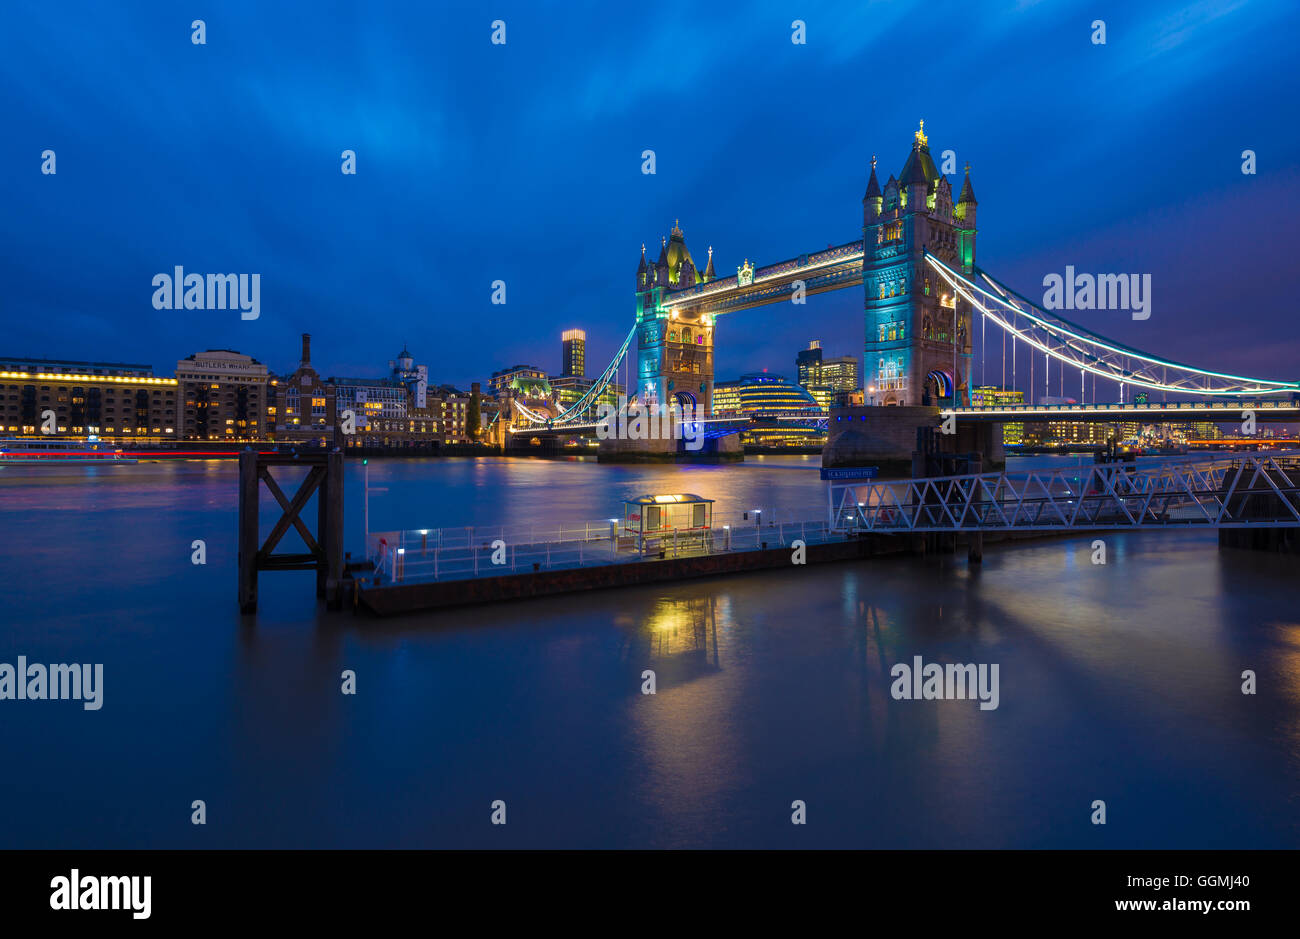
225	395
113	400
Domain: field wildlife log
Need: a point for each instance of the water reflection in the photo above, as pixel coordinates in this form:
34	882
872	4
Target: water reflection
681	638
1120	680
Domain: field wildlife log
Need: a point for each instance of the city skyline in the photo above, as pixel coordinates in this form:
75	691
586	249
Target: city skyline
445	201
291	363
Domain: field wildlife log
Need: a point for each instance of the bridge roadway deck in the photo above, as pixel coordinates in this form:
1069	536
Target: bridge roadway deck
1234	411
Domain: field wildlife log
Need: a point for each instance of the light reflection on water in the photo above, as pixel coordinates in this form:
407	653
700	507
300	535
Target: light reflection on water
1119	682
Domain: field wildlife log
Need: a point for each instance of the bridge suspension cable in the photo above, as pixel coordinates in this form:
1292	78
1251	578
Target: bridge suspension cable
1073	345
578	412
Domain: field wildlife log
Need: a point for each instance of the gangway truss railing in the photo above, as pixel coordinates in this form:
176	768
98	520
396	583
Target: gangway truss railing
1253	490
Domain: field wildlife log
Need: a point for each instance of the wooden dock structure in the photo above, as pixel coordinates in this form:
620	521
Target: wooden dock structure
324	554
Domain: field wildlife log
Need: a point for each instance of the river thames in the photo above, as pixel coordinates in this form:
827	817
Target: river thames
1118	682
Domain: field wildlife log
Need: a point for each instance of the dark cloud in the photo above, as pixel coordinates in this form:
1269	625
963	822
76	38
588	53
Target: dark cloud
521	163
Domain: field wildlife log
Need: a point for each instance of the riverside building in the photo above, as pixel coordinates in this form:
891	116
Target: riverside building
761	392
77	399
225	396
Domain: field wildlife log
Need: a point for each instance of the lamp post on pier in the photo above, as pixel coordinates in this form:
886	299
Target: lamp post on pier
365	471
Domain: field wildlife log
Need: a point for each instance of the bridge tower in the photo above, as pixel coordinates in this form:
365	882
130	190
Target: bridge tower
918	335
674	352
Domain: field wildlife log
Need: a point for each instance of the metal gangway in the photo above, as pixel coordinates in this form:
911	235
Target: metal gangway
1256	490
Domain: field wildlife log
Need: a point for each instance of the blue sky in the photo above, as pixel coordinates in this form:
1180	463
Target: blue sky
522	163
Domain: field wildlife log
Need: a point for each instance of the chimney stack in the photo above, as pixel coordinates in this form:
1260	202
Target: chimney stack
306	348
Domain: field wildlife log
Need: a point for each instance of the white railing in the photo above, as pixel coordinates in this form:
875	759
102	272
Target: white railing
436	554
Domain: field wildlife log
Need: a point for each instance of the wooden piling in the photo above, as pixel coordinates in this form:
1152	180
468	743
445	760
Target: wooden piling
325	547
332	529
248	498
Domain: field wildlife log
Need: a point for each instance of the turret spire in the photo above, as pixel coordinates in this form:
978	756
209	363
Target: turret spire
873	187
967	191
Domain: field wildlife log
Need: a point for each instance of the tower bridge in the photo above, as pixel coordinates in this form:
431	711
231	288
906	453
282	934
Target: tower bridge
830	269
922	290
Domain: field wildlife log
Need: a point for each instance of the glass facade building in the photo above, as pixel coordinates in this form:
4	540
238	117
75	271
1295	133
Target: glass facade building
761	392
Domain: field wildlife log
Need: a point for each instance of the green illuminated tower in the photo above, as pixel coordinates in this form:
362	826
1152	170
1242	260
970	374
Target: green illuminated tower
918	336
674	354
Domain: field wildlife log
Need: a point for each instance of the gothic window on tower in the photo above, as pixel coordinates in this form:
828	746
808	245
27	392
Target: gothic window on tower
882	332
889	376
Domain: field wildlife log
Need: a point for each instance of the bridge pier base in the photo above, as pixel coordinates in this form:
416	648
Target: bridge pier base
877	435
524	445
726	449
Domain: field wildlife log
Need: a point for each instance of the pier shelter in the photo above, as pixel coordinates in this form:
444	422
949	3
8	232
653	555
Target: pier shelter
680	517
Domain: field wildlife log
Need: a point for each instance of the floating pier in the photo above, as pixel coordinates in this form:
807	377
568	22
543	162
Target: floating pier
657	538
399	598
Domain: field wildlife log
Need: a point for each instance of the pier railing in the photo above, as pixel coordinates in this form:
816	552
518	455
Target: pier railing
1222	492
436	554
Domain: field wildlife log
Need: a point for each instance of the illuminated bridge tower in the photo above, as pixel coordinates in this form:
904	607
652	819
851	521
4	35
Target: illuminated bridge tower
918	335
674	353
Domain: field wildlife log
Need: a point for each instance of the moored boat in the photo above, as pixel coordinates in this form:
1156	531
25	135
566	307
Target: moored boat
92	451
